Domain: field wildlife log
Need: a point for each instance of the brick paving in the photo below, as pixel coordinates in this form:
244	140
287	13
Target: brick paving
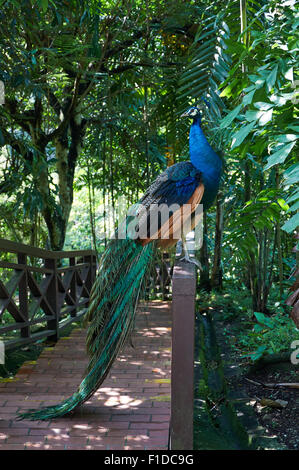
130	411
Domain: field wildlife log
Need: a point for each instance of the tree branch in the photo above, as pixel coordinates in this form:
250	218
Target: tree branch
130	65
11	106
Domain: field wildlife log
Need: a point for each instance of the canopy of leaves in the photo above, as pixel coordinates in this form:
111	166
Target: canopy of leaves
93	95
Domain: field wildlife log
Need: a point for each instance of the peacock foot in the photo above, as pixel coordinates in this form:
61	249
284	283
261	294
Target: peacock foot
187	259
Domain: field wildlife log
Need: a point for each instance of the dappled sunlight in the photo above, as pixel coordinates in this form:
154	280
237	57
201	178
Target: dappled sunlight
159	371
57	431
154	332
146	307
122	402
84	427
57	437
111	392
35	445
145	351
139	438
115	397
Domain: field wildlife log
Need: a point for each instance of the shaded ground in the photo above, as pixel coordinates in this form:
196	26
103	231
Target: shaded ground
282	423
279	425
220	422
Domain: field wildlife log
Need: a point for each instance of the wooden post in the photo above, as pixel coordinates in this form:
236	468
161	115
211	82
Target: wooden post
52	298
23	294
182	363
73	286
88	280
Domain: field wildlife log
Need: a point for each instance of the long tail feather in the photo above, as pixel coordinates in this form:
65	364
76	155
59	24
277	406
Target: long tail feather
112	308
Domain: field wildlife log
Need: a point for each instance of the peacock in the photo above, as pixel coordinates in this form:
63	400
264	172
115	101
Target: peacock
126	260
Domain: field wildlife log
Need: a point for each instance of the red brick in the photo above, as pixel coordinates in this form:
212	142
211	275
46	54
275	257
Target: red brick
8	409
11	446
161	418
158	434
25	439
151	426
14	432
132	418
39	432
118	424
46	447
30	424
90	430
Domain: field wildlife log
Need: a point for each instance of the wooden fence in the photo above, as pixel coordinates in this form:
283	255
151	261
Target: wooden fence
48	290
41	291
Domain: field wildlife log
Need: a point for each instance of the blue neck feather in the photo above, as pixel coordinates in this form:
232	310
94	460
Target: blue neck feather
204	158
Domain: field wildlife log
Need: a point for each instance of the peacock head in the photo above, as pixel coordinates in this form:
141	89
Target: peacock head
193	112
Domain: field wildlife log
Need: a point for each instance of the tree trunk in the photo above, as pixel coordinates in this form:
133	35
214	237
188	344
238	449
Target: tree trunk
279	245
204	258
91	208
253	282
56	213
216	278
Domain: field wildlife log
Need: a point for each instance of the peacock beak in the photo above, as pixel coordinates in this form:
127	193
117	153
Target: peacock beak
185	114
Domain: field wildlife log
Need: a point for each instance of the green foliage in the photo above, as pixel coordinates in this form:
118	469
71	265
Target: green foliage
248	79
231	304
208	66
269	335
265	99
254	336
87	86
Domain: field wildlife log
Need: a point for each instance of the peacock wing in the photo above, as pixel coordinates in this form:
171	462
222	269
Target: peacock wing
169	204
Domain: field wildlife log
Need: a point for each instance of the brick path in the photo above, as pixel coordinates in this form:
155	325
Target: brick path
130	411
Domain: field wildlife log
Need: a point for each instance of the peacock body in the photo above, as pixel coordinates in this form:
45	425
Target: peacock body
125	262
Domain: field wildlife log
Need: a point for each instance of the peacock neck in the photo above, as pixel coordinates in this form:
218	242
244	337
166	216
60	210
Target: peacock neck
202	155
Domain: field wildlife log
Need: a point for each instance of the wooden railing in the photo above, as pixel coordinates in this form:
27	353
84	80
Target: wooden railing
41	291
48	290
182	360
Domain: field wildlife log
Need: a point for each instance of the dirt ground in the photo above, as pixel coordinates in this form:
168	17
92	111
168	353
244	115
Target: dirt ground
280	422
